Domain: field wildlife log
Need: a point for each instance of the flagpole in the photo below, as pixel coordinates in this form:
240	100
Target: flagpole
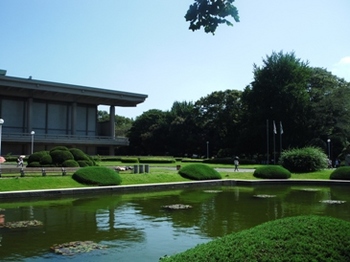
274	142
281	132
267	141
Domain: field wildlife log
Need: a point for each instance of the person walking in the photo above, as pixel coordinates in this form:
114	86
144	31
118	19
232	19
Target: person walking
19	161
236	163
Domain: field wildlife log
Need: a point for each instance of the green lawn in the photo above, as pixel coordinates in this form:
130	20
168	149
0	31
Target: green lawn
158	174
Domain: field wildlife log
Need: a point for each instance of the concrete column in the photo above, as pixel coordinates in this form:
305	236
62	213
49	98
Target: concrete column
112	121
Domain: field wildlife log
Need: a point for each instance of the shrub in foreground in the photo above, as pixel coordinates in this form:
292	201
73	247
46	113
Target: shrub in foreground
304	160
97	175
199	172
341	173
302	238
272	172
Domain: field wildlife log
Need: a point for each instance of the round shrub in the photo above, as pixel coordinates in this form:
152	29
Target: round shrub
37	156
46	160
272	172
70	163
199	172
78	154
341	173
300	238
59	156
304	160
60	148
84	163
97	175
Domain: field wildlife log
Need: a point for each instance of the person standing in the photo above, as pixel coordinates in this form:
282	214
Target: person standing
236	163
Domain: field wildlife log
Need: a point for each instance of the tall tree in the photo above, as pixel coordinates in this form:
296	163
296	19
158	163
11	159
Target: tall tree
218	115
149	133
330	104
182	129
122	125
278	92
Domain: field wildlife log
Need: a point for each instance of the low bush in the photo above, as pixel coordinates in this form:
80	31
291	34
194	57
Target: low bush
46	160
40	158
191	160
59	156
60	148
36	157
70	163
304	160
199	172
83	163
229	161
272	172
110	158
78	154
301	238
158	160
34	164
341	173
129	160
97	175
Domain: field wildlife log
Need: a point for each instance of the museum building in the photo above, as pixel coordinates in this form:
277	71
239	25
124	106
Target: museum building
39	115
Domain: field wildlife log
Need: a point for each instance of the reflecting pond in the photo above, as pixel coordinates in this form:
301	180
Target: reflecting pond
136	227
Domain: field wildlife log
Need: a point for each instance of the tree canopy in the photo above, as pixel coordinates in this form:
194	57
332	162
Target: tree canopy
210	13
312	104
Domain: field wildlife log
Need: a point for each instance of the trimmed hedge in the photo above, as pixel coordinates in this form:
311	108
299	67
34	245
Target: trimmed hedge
341	173
165	160
60	148
70	163
301	238
272	172
97	175
129	160
37	156
78	154
60	156
199	172
229	161
304	160
46	160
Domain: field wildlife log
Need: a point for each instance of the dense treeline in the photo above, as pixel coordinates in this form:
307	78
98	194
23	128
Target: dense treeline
307	105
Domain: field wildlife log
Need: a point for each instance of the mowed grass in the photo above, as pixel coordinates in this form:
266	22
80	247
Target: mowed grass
158	174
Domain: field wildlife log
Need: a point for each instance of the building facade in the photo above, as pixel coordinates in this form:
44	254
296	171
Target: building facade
39	115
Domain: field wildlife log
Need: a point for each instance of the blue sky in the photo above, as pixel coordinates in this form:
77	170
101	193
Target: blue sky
145	46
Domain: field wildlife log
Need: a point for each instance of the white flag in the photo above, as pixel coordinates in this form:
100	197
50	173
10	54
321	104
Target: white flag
281	128
274	128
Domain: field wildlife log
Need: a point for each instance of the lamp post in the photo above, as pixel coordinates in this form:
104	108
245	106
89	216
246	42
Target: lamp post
329	148
207	149
1	123
32	147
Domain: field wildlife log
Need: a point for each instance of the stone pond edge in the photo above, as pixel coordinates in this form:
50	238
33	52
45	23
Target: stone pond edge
162	186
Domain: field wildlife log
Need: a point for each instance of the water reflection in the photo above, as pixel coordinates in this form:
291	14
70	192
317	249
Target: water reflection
136	228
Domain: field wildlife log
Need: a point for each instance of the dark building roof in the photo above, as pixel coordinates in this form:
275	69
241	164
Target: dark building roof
37	89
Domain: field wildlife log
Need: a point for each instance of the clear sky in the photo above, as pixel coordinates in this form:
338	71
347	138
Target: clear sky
145	47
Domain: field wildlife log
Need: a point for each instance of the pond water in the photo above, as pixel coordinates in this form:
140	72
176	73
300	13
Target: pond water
135	227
